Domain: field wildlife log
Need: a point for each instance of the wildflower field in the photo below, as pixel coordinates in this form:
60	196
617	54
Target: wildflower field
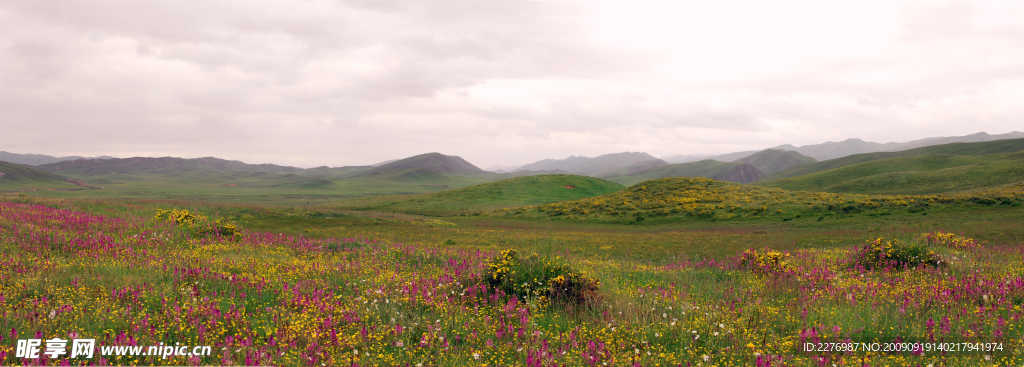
409	291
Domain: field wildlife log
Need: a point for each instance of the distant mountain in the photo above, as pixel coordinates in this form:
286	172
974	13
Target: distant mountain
769	161
731	156
500	169
680	158
17	176
833	150
966	149
723	171
164	165
634	168
589	166
436	162
38	159
383	163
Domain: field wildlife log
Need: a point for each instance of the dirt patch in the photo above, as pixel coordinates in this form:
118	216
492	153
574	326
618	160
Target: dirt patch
231	185
570	186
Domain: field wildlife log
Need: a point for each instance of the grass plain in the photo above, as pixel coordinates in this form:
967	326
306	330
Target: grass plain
313	281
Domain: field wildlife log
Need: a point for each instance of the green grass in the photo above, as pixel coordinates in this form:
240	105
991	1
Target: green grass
473	200
912	175
966	149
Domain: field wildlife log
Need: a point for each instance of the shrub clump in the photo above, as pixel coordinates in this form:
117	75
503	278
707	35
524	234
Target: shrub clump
766	262
542	279
197	224
882	253
950	240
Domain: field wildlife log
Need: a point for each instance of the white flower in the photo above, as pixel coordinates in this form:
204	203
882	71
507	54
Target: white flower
476	355
706	358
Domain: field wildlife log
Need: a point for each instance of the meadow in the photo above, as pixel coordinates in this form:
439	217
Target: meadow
321	285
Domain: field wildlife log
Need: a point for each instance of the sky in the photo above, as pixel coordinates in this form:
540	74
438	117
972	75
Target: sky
498	82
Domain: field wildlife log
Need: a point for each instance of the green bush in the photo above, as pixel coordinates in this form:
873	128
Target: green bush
541	279
882	253
198	225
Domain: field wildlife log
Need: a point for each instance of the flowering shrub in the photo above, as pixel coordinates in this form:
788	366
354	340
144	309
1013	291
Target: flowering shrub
197	223
950	240
767	261
540	278
879	253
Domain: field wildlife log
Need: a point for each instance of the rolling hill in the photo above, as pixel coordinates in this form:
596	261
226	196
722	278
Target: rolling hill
20	177
436	162
724	171
769	161
925	174
476	199
966	149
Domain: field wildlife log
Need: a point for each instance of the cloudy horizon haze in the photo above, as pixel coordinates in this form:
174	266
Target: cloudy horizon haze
498	82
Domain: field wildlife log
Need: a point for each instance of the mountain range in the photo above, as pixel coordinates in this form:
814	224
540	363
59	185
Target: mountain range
435	170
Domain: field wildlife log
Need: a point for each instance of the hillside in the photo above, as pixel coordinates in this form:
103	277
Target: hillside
925	174
436	162
965	149
589	166
724	171
19	177
164	165
769	161
697	198
487	197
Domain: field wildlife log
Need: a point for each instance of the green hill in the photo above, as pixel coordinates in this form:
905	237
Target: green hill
724	171
769	161
514	192
967	149
436	162
19	177
913	175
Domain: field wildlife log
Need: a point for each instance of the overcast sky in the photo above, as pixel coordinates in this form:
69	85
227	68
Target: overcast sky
498	82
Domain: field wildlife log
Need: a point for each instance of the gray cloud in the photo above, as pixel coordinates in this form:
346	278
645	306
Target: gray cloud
311	83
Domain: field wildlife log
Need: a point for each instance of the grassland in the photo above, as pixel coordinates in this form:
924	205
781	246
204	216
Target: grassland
318	284
329	278
477	199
